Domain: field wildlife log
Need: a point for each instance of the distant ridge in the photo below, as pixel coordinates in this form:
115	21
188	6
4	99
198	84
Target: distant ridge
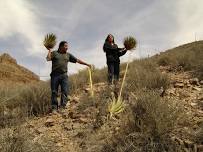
10	71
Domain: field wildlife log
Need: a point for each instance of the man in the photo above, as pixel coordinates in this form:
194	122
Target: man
60	59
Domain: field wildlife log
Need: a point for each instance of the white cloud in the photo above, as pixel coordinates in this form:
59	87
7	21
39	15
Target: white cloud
17	18
157	25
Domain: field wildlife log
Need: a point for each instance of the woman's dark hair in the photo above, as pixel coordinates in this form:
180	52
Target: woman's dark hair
62	43
106	40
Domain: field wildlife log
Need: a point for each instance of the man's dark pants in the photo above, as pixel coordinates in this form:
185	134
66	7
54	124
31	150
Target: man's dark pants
113	71
56	80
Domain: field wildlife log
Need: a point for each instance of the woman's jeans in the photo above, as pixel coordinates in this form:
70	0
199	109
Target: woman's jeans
113	71
56	80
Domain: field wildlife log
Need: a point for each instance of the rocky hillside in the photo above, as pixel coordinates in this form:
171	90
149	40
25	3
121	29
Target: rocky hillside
10	71
81	128
163	110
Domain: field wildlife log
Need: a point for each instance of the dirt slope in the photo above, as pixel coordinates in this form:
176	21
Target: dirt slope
11	72
73	130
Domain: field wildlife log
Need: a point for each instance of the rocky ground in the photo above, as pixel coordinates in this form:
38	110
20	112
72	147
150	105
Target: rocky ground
72	129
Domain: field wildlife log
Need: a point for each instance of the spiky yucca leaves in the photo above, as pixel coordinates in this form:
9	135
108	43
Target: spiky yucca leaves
129	42
115	107
50	40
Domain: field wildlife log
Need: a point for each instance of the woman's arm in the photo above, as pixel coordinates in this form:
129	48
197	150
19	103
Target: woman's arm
122	51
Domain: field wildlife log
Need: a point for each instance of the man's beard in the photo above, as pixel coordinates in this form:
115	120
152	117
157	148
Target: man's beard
63	51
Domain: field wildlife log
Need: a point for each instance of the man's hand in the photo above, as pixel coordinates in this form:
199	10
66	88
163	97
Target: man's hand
48	49
90	66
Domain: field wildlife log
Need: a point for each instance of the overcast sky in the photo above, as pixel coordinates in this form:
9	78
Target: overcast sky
156	24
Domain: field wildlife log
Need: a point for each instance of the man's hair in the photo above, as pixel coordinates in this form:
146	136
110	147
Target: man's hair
106	40
62	43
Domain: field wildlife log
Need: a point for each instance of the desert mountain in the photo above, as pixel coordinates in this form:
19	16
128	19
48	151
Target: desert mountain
10	71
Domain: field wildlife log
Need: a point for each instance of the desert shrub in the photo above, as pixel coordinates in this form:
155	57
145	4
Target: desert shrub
99	75
20	140
147	124
164	61
36	99
143	74
23	101
159	114
188	56
81	79
78	81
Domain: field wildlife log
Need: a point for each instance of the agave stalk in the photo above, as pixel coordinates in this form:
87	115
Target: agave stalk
126	70
90	78
129	43
115	107
49	41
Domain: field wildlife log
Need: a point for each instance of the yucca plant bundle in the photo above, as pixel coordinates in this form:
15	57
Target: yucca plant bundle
129	42
50	40
115	107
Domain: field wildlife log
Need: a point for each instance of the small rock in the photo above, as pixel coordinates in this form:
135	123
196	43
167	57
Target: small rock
188	143
200	148
75	100
117	128
178	140
49	122
171	92
189	85
179	85
59	144
201	82
40	130
200	111
72	115
193	104
194	81
87	90
197	88
200	97
83	120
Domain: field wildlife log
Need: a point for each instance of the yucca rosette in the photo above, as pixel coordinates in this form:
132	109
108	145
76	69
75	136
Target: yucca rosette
130	43
49	41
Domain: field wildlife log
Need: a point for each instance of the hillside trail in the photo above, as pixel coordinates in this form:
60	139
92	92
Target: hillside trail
71	130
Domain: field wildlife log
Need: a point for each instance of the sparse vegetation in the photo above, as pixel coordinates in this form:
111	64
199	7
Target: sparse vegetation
188	56
151	121
23	101
144	74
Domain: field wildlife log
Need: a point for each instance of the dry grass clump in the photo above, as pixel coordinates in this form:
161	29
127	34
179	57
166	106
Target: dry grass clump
49	41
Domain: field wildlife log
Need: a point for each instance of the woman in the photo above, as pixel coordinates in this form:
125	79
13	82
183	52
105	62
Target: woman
112	56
